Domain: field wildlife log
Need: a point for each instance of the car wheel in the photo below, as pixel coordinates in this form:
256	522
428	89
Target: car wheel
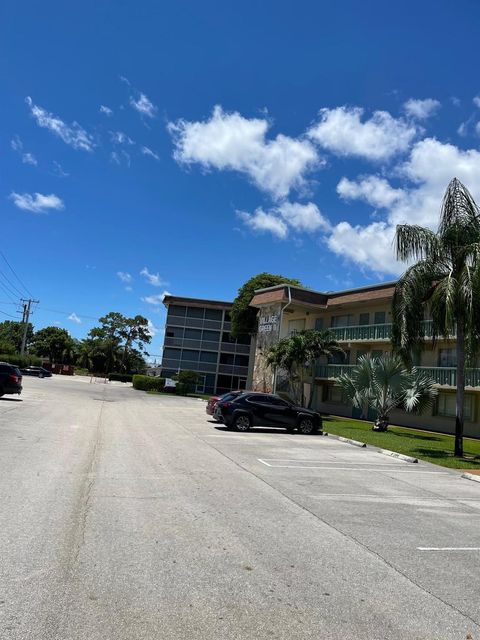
2	392
242	422
40	375
307	426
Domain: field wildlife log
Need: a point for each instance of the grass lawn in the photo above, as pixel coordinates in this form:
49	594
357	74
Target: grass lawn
433	447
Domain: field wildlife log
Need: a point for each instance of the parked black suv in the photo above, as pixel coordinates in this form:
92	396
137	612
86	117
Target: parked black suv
40	372
10	379
265	409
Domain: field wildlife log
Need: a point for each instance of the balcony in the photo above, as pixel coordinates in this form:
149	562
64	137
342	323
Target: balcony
443	376
372	332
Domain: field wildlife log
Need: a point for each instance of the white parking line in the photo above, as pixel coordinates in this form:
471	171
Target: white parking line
448	548
376	468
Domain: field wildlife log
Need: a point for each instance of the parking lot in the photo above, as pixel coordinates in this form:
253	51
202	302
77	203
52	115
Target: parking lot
129	515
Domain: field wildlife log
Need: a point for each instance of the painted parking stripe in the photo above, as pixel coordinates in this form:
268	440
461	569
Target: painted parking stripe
375	469
448	548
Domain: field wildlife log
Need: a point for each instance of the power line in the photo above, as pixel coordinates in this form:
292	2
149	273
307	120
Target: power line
68	313
8	315
14	273
13	288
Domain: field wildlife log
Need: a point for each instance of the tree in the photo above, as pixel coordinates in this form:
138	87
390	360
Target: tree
445	284
114	343
54	343
11	332
384	384
298	355
244	317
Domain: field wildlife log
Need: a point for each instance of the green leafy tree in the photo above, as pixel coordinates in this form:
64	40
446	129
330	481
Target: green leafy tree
298	355
384	384
244	317
54	343
11	332
187	378
444	284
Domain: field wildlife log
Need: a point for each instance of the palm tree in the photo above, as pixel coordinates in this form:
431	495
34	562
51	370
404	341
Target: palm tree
384	384
298	355
444	282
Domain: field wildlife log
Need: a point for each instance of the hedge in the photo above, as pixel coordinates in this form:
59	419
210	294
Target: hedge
20	361
148	383
120	377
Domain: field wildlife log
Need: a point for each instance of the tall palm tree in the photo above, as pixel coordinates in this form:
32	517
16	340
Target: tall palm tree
445	283
298	355
384	384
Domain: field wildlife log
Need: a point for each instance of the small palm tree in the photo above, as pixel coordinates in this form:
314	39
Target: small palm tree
444	282
384	384
298	355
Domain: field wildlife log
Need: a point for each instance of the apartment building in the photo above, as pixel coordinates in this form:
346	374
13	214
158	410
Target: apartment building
361	321
197	338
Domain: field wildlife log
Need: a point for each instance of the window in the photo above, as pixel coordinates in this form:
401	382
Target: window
172	354
190	355
193	334
446	406
447	358
241	361
226	358
208	356
213	336
379	317
342	321
177	310
335	394
228	317
294	326
213	314
364	318
174	332
195	312
339	358
318	324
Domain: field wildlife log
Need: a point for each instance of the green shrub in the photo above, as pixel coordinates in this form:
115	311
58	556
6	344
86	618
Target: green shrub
20	361
148	383
120	377
182	389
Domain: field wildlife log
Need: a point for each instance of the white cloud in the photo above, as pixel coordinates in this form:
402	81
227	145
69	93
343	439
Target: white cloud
303	217
342	132
119	137
73	135
228	141
152	329
477	128
120	157
476	101
374	190
261	220
288	215
29	158
143	105
38	203
152	278
463	129
105	110
58	170
146	151
124	276
16	144
421	109
74	318
428	170
129	288
156	299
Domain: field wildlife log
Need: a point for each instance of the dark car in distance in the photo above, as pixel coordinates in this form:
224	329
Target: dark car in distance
212	402
10	379
40	372
266	409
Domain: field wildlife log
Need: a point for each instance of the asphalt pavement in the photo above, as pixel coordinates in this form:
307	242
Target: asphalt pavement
131	516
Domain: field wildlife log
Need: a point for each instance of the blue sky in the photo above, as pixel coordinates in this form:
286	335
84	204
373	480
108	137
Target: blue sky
184	147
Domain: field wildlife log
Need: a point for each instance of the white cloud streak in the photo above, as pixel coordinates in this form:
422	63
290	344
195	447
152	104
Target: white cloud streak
143	105
105	110
228	141
152	278
342	131
74	135
146	151
421	109
156	299
37	202
372	189
124	276
74	318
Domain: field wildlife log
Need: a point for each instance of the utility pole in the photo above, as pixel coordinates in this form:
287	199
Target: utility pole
27	304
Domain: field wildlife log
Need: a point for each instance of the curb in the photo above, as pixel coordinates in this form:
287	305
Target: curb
471	476
355	443
400	456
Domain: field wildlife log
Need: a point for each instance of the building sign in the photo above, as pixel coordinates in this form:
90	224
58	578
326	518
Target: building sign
266	324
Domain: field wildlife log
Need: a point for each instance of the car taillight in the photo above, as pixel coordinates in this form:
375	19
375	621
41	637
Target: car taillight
13	377
227	404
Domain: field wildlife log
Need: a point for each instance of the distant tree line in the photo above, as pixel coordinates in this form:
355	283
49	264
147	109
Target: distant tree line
118	343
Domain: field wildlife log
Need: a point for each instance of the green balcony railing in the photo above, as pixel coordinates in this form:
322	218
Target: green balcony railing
446	376
372	332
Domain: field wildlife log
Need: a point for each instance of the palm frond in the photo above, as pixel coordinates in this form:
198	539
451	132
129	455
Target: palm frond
412	241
